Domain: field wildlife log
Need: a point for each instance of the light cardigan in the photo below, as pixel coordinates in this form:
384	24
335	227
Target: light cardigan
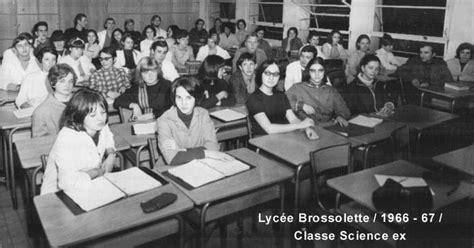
13	73
204	52
326	49
169	71
201	132
86	64
145	46
467	74
293	74
120	60
387	59
34	89
74	153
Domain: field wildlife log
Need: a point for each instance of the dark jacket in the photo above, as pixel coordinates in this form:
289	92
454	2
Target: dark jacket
196	36
435	72
295	44
214	88
360	99
239	87
159	97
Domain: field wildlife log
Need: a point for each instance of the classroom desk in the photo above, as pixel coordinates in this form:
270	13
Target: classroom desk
7	96
239	192
119	224
461	160
390	76
29	153
294	148
451	95
231	129
135	141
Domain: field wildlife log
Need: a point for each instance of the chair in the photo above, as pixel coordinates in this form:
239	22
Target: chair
125	115
192	67
400	139
37	175
154	151
335	72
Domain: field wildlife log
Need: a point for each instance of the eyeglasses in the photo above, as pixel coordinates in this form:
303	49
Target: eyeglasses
316	70
105	59
274	74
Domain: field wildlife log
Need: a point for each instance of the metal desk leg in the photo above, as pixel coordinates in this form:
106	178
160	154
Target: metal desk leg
366	156
139	151
297	189
121	160
202	226
12	167
422	98
5	159
453	102
181	231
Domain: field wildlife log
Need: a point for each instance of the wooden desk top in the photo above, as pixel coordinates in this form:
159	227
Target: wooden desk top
447	92
461	160
265	173
63	228
30	150
125	131
420	117
359	186
9	121
221	124
294	147
6	95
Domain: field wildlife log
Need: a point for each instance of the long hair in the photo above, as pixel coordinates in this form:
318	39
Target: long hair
81	104
261	69
146	64
314	61
210	68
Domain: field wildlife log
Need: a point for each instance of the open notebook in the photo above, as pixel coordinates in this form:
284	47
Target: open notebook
351	130
227	115
144	128
203	171
111	187
365	121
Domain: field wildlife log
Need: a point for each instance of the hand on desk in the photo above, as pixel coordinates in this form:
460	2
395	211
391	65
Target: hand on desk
311	133
341	121
217	155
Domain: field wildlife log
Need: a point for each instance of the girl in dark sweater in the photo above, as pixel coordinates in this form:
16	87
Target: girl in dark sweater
217	92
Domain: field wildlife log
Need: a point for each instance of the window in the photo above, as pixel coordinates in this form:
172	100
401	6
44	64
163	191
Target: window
412	23
269	14
225	10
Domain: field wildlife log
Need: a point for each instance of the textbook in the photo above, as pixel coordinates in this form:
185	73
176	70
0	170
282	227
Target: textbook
227	115
365	121
351	130
203	171
458	86
111	187
144	128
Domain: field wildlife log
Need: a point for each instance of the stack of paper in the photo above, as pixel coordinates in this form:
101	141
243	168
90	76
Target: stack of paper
144	128
132	181
365	121
458	86
227	115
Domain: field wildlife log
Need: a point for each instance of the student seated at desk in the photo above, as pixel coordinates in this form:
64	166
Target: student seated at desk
292	42
35	86
366	94
217	92
82	66
269	109
333	48
181	52
212	48
185	131
363	48
127	58
387	59
84	148
294	71
243	80
149	95
315	99
462	65
47	117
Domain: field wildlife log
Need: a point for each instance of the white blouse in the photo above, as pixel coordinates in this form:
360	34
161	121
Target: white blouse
34	89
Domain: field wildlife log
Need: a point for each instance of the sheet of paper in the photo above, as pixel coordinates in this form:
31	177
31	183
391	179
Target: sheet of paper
404	181
228	115
226	168
132	181
196	173
365	121
100	192
23	113
144	128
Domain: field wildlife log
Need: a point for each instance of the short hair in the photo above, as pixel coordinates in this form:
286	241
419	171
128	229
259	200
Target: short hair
228	25
108	19
21	37
146	64
199	20
39	24
316	60
95	33
158	43
154	17
210	68
360	38
57	35
217	19
109	50
174	30
260	28
82	103
463	46
253	34
367	59
311	35
294	30
149	27
309	49
117	30
386	40
331	34
45	50
76	43
127	22
191	85
182	33
261	69
424	44
125	36
78	18
60	71
246	56
214	34
241	21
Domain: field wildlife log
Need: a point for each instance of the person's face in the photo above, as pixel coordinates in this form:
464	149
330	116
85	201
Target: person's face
95	120
270	76
91	38
110	25
156	22
149	33
118	36
42	32
64	85
59	45
184	101
76	52
227	30
426	53
371	69
23	48
211	43
128	44
247	67
169	33
291	34
305	57
388	48
106	60
251	43
364	45
241	26
160	53
260	34
199	25
130	26
83	22
184	41
336	38
150	76
314	41
316	72
48	61
465	55
217	23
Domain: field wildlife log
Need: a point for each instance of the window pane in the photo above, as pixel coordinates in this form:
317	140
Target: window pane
227	10
323	38
409	48
273	33
270	12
